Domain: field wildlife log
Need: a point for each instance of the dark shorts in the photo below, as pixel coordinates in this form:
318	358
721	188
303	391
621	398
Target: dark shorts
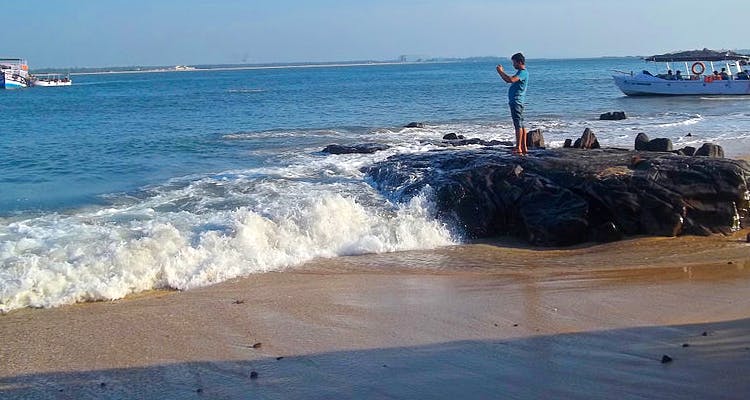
516	113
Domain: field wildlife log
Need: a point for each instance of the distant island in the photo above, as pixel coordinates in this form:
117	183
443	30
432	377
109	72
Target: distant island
402	59
214	67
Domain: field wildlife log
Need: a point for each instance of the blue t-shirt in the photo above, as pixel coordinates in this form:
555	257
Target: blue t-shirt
517	91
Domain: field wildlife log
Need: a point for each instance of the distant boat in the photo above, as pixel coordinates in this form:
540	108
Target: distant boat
50	80
15	73
698	78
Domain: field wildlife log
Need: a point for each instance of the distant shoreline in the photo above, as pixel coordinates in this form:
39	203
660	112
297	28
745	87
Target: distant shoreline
239	67
260	67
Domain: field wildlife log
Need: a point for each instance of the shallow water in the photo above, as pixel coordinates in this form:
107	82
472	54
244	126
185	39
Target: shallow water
125	183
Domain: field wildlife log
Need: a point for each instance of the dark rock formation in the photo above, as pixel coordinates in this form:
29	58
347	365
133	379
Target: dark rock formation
587	141
563	197
613	116
450	136
364	148
710	150
568	143
465	142
535	139
659	144
688	150
641	141
606	232
414	125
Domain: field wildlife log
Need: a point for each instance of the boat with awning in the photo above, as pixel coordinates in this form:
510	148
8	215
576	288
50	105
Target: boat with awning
693	72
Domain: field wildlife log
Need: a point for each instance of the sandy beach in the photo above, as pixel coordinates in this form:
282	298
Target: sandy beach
487	320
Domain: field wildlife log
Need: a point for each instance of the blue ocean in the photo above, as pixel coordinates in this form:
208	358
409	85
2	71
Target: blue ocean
123	183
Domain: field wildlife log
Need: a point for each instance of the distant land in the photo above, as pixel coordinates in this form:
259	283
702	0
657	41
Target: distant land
404	59
302	64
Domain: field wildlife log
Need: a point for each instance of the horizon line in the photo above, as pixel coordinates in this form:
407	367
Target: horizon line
299	64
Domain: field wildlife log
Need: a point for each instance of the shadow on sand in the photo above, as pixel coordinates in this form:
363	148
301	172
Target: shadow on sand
710	361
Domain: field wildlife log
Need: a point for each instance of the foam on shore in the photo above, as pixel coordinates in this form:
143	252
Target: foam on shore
196	235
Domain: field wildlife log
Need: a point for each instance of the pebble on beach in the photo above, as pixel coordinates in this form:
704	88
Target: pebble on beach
257	345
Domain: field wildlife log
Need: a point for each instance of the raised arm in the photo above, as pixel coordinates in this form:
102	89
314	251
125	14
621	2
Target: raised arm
506	77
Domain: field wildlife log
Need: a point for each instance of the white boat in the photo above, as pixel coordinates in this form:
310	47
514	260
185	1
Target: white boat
701	75
49	80
14	73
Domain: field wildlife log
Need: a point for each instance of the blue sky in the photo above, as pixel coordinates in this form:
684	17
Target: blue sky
82	33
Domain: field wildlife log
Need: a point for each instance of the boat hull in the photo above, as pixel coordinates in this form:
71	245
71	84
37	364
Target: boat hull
11	83
51	83
641	85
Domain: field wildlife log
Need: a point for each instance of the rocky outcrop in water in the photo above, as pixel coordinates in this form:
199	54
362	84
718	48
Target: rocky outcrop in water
567	196
535	139
363	148
641	141
613	116
710	150
659	144
587	141
453	136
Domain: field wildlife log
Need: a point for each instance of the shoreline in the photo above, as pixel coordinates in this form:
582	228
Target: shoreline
261	67
482	318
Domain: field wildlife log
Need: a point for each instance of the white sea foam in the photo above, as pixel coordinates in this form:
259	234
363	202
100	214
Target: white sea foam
690	120
203	232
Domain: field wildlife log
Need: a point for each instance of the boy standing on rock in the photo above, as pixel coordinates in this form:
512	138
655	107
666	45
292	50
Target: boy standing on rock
517	98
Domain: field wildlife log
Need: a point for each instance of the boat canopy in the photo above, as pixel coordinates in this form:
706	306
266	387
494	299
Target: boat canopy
699	55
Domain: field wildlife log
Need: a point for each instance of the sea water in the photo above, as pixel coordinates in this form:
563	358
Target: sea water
129	182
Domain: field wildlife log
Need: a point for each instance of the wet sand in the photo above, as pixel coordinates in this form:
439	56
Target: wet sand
489	320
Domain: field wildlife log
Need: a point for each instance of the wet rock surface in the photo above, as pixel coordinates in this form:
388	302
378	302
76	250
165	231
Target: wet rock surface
659	144
562	197
535	139
587	140
364	148
477	141
613	116
710	150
